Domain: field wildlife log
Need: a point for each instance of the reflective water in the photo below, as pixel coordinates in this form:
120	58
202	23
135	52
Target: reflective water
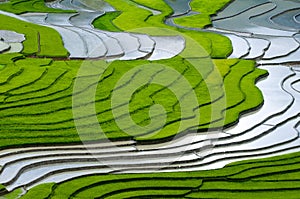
281	7
274	96
271	130
258	47
168	49
11	37
280	46
179	7
241	22
15	48
287	19
273	21
242	46
4	46
242	5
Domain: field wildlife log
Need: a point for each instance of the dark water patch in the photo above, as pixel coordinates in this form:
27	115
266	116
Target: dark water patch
180	7
238	7
99	5
287	19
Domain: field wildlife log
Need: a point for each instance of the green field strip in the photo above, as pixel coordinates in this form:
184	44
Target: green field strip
240	97
195	21
266	170
214	83
19	82
230	194
46	47
10	58
247	186
41	88
63	93
48	98
161	95
21	6
153	193
135	16
287	176
104	22
137	112
45	140
112	116
237	180
107	183
53	76
176	119
232	84
41	191
13	195
253	96
206	9
56	115
244	169
63	85
41	41
156	5
8	74
2	188
211	109
134	19
36	107
46	110
116	189
220	45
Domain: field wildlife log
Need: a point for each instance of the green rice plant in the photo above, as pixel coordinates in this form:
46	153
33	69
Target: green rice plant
252	94
119	189
269	178
134	18
97	185
232	194
36	106
206	9
105	22
14	194
40	41
195	21
21	6
41	191
36	96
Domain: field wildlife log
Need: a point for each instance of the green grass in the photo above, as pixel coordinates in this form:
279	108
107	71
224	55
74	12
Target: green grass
2	66
2	188
105	22
40	191
34	88
273	177
195	21
21	6
252	99
134	18
206	9
40	41
239	96
14	194
36	96
106	185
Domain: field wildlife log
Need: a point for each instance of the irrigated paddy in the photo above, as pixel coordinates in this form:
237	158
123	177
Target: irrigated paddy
37	97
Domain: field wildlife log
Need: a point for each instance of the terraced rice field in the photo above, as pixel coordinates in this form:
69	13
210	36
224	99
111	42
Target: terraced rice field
149	99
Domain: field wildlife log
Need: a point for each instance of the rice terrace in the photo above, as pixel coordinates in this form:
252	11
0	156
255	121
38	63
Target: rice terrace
149	99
